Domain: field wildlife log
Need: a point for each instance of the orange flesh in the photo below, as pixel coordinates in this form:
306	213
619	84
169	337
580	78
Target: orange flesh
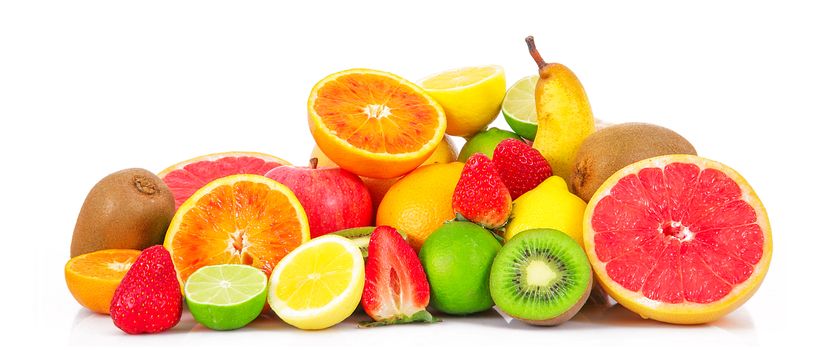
376	113
243	223
107	264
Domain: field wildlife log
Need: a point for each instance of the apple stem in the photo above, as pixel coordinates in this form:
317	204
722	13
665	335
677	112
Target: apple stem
313	163
532	49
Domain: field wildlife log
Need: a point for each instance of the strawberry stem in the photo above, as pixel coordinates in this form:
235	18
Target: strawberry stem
419	316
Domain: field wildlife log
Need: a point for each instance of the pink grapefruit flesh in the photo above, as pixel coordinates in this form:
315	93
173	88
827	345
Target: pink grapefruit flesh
188	176
678	238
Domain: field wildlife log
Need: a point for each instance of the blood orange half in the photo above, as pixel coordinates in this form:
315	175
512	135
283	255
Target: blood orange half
678	238
188	176
373	123
238	219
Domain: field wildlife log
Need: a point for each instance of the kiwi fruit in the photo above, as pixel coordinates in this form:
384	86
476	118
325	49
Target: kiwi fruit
129	209
541	277
361	237
616	146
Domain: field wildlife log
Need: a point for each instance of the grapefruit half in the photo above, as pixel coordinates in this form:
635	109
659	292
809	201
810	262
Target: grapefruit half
678	238
188	176
373	123
239	219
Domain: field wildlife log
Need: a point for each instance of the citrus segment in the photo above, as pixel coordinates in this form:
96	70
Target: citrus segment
374	123
319	284
678	238
92	278
239	219
184	178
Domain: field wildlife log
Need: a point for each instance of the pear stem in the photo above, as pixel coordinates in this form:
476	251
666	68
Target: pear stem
532	49
313	163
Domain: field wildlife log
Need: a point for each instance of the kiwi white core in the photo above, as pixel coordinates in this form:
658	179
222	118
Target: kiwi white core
538	273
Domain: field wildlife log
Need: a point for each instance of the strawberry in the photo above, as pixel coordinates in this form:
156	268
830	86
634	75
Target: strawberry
521	167
148	300
480	195
396	289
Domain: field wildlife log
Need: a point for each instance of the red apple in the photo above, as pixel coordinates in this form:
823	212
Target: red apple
333	198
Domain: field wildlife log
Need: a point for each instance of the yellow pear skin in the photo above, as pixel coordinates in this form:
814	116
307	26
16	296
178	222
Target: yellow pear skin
564	117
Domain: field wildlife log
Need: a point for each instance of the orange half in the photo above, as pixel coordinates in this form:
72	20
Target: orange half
374	123
240	219
93	278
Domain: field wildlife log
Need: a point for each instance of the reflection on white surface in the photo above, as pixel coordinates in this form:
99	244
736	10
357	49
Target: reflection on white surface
603	325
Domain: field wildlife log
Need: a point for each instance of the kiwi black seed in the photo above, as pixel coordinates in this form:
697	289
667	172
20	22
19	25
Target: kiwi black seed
129	209
541	277
361	237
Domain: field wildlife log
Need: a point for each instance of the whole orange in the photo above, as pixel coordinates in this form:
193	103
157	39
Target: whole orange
421	201
93	277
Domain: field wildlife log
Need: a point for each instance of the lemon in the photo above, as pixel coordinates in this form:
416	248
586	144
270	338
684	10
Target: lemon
471	97
318	284
520	107
549	205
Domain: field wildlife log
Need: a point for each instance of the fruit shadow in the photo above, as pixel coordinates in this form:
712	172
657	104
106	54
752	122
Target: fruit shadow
86	321
612	316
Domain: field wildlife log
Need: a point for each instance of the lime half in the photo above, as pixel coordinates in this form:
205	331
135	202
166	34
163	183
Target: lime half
520	108
224	297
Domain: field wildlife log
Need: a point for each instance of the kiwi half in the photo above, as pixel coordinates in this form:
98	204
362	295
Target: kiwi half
361	237
541	277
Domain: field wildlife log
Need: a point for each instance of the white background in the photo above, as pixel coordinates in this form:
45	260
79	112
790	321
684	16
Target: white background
91	87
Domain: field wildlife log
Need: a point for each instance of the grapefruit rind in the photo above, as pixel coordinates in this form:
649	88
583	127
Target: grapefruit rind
175	224
216	156
685	312
363	162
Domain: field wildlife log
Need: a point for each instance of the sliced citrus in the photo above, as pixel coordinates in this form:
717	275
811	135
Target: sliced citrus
93	277
186	177
678	238
470	96
227	296
520	107
374	123
319	284
239	219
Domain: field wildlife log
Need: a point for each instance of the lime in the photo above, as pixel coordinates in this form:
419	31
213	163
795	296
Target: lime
457	258
485	142
520	107
470	96
224	297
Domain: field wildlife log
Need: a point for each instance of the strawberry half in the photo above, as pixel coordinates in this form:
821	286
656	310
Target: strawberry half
521	167
480	195
396	289
148	300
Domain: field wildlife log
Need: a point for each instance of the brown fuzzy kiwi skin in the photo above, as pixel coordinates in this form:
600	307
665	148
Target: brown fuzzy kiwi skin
129	209
614	147
571	312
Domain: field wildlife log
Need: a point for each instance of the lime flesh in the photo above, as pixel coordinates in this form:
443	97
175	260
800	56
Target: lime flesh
520	108
225	297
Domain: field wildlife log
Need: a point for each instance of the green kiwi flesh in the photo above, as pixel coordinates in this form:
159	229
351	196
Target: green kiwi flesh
541	277
361	237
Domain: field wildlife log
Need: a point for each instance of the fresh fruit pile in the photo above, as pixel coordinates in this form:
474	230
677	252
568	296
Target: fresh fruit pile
384	220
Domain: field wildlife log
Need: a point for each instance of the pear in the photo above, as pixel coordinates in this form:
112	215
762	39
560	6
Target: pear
564	117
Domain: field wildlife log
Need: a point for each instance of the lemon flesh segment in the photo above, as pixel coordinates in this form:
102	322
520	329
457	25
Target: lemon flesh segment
318	284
